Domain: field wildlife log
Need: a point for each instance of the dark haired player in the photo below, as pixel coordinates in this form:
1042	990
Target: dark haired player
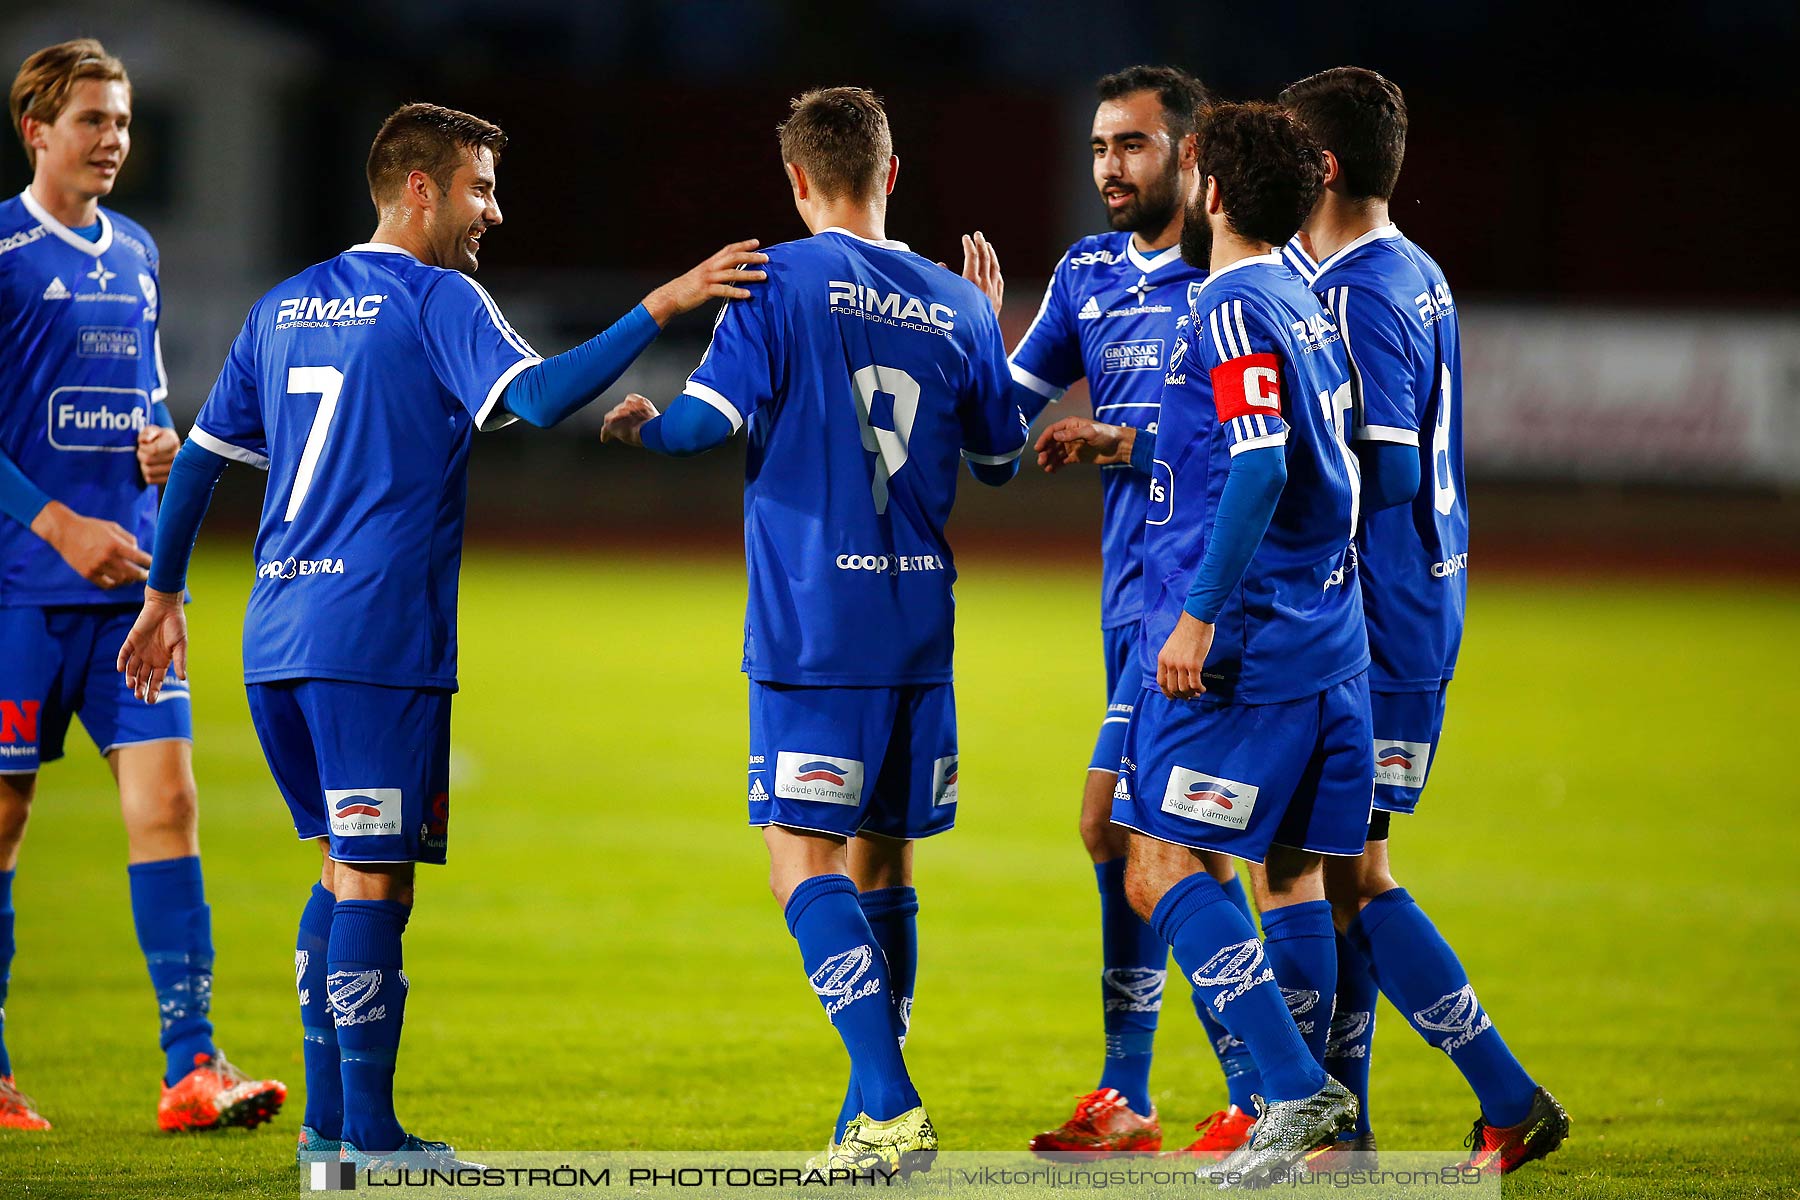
356	385
1394	310
1110	314
864	376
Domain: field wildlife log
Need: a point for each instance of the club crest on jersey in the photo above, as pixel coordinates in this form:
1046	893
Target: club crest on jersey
1458	1016
97	418
1401	764
321	312
820	778
943	781
1210	799
364	812
1235	969
349	993
1133	989
839	980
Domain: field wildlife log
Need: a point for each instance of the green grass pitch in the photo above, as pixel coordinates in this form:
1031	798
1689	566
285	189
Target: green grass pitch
1609	842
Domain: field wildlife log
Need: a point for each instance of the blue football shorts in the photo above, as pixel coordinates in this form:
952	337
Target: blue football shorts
1123	682
366	766
1239	778
58	663
1408	728
850	760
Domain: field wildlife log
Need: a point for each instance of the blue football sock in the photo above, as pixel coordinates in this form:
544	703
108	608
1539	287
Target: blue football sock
1225	962
1353	1028
1419	972
1241	1078
1302	948
1134	967
851	978
367	991
892	914
324	1080
174	930
6	957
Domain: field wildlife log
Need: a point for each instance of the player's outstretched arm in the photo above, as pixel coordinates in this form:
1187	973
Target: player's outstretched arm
720	277
1081	440
691	426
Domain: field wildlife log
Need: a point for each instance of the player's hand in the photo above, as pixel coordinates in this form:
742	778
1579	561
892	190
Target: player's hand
1080	440
157	641
626	419
101	552
1178	666
981	267
156	447
718	278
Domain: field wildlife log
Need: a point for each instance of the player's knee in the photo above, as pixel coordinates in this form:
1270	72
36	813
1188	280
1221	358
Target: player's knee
1096	835
171	809
1141	891
15	812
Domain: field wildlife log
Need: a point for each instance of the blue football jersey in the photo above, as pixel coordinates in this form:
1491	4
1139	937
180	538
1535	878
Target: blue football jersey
1394	310
1258	363
865	374
80	368
356	384
1109	314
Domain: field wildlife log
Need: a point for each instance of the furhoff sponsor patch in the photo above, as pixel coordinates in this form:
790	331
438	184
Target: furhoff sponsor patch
818	778
1210	799
1401	764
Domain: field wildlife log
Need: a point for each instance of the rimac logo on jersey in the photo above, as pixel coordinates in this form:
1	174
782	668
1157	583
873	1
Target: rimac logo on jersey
97	418
1314	333
943	781
890	308
324	312
819	778
1143	355
1458	1016
1133	989
363	812
1235	969
839	979
1401	764
1210	799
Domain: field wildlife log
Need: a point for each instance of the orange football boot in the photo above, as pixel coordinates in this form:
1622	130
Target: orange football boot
216	1095
1220	1134
16	1108
1103	1124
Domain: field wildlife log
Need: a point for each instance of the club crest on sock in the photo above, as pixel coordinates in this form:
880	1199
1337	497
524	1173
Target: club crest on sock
1458	1015
1236	969
349	993
839	979
1134	989
1346	1037
301	959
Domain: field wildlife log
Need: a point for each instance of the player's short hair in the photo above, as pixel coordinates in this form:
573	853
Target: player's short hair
41	88
1269	169
1361	118
428	138
1181	95
839	136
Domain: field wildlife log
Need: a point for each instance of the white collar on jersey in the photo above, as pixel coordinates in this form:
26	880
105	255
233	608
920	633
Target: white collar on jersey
95	248
1151	265
1271	259
1378	234
884	244
378	248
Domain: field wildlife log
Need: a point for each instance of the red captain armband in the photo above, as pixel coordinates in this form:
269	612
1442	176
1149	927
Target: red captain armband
1247	387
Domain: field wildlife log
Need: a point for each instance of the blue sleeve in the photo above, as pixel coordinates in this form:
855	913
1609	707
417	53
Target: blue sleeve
1048	358
743	366
554	389
993	426
471	348
20	498
185	497
1246	505
690	426
1143	451
1386	347
230	423
1029	401
160	415
1390	473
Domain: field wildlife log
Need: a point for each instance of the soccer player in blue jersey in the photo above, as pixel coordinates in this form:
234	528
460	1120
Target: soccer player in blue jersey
85	439
864	375
1110	314
1395	312
1249	737
357	385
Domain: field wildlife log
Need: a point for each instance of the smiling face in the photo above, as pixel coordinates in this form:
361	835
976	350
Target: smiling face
464	210
1137	165
84	148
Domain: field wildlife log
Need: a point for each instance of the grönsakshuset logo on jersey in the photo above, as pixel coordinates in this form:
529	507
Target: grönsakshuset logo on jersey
890	308
327	312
